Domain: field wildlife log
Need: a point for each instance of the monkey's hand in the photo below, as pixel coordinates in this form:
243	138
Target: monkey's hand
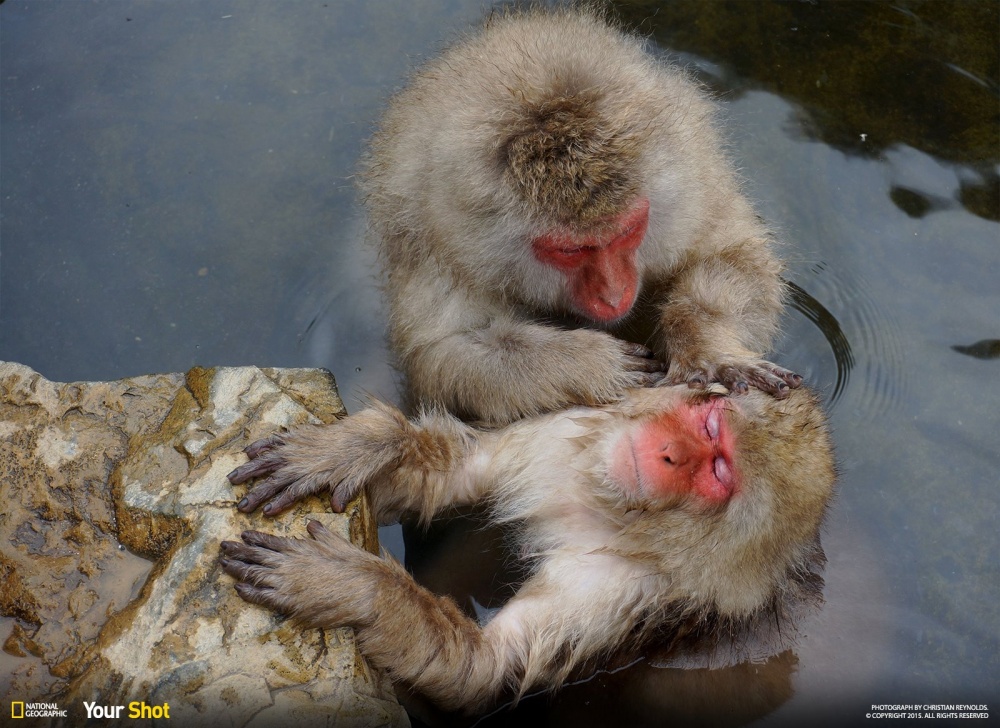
737	374
420	638
341	457
325	581
641	366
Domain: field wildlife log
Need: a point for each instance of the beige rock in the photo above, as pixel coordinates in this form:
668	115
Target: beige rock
115	500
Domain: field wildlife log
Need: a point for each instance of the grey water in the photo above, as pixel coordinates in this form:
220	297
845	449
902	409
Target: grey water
176	189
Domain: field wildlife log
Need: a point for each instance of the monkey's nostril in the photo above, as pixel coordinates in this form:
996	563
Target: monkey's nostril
613	299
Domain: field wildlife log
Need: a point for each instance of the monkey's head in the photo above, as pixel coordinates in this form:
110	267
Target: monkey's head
533	160
727	492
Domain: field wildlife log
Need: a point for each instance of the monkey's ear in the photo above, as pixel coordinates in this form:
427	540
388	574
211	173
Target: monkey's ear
568	161
715	643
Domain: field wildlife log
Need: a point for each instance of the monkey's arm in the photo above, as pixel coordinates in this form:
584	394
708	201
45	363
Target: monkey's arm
420	466
484	363
721	314
423	639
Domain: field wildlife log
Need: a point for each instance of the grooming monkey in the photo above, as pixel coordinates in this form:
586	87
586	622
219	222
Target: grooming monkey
526	187
670	509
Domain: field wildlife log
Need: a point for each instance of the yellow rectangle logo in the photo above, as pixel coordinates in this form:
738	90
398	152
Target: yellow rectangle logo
17	709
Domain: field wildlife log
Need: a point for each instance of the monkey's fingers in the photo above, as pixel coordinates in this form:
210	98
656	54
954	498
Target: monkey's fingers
341	495
696	379
250	554
643	364
649	379
790	378
321	533
289	495
254	469
264	444
264	491
638	358
763	375
630	348
249	573
266	541
765	381
336	547
734	378
265	597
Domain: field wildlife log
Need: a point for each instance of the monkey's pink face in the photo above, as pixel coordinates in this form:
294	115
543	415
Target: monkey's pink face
685	451
601	273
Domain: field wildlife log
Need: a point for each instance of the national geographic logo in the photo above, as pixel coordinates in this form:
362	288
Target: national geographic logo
20	709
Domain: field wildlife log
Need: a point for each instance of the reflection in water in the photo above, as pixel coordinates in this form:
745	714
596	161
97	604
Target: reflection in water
826	322
915	203
985	349
915	74
873	352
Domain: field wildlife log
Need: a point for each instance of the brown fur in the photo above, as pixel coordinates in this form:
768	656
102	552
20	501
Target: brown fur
609	569
554	120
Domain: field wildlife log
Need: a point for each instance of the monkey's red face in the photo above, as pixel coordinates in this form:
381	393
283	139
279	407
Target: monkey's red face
685	451
601	272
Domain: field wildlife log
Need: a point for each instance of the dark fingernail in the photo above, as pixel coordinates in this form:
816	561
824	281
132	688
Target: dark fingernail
267	509
742	387
232	474
243	504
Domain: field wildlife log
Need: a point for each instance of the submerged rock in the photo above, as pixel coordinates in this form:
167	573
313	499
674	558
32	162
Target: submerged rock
115	500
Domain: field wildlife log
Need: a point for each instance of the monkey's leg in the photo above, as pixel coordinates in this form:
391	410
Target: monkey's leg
722	313
420	638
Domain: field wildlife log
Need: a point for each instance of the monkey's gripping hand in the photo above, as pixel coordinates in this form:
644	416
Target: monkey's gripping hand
641	365
737	374
341	458
325	581
416	636
406	466
722	313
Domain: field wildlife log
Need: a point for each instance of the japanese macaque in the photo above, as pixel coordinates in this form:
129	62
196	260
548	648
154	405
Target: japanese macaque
526	188
670	509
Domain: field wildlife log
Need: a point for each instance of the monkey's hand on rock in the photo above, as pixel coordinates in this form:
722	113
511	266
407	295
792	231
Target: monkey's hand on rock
420	638
325	581
342	458
737	375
